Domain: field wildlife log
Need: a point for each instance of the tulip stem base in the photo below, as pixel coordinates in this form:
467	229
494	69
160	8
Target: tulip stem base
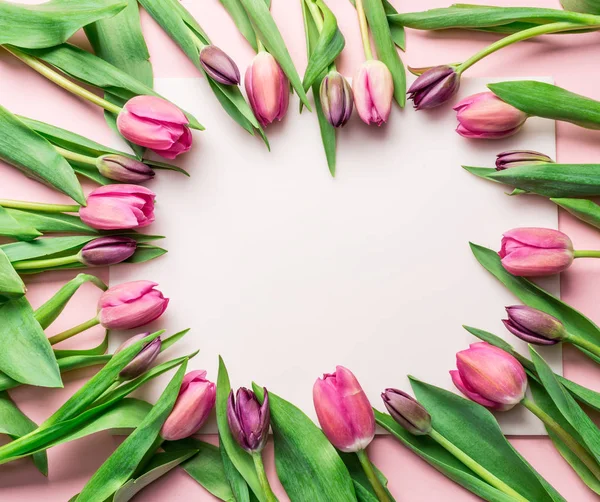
475	466
367	466
584	344
262	477
569	441
73	331
41	265
76	157
39	207
586	253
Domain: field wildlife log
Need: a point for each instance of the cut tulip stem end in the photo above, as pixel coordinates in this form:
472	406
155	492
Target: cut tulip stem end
262	476
372	476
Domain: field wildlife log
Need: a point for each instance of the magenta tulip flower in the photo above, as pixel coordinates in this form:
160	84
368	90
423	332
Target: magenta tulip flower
268	88
373	92
249	420
106	251
123	169
490	376
531	252
142	362
131	305
434	87
119	207
219	66
344	411
196	400
486	116
157	124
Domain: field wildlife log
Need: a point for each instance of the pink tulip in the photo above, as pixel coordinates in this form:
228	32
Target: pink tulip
156	124
344	411
373	92
531	252
267	88
489	376
196	400
119	207
131	305
486	116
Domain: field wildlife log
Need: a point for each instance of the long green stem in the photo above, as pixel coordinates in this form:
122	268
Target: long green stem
73	331
77	157
315	13
476	467
62	81
46	263
521	35
262	477
364	29
587	253
40	207
583	343
569	441
370	473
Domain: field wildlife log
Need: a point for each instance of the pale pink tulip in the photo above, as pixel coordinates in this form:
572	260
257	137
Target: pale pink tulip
268	88
373	89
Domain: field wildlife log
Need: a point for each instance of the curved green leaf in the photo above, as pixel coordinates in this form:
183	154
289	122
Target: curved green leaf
50	23
11	284
51	222
586	210
20	230
308	466
41	248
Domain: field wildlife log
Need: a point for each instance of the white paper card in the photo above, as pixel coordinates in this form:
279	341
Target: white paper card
286	272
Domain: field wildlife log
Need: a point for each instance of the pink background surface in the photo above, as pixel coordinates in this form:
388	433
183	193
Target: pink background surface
570	59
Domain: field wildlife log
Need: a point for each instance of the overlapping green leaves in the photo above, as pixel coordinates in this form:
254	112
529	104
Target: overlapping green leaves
11	285
242	21
584	209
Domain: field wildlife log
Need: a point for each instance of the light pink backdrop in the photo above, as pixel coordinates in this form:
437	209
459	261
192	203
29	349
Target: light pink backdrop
571	60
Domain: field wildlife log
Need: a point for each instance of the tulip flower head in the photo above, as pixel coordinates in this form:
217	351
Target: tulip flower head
490	376
119	207
106	251
268	88
373	92
407	411
434	87
196	399
532	252
140	363
344	411
157	124
249	420
534	326
123	169
336	99
486	116
219	66
131	305
516	158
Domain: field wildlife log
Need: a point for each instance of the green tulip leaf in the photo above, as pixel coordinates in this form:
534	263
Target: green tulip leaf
15	424
586	6
549	101
122	464
19	230
11	284
586	210
39	161
145	252
396	29
51	23
475	431
238	485
98	350
268	33
362	486
25	353
241	460
386	49
242	21
206	467
549	180
92	70
43	248
51	222
308	466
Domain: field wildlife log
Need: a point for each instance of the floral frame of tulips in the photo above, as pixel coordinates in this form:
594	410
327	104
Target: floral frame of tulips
458	436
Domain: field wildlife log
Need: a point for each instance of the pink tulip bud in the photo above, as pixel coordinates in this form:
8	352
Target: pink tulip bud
336	99
131	305
344	411
489	376
196	400
157	124
249	420
373	92
219	66
123	169
516	158
119	207
140	363
532	252
106	251
267	88
534	326
434	87
407	411
486	116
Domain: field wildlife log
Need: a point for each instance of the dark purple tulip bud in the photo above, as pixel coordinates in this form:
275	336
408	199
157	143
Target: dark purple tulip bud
140	363
123	169
219	66
434	87
407	411
534	326
248	420
515	158
336	99
106	251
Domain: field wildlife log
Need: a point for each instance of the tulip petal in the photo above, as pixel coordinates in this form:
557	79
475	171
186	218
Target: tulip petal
155	108
462	387
547	238
532	262
526	335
